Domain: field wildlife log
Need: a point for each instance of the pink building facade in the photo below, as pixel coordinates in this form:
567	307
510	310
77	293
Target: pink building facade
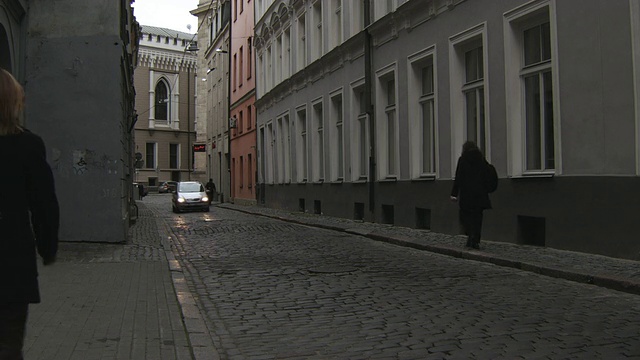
243	86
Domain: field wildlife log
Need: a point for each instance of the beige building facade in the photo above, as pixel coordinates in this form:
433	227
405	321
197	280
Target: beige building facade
166	86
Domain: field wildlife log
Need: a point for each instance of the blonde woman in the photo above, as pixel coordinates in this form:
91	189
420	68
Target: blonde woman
29	217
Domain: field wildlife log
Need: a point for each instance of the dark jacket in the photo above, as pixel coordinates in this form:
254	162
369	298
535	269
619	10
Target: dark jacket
29	216
469	185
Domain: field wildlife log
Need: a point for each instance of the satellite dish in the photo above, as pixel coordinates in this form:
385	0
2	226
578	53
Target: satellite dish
189	27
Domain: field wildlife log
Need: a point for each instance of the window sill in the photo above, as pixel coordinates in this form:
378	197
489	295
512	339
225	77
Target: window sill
389	179
425	178
337	181
360	181
319	182
534	175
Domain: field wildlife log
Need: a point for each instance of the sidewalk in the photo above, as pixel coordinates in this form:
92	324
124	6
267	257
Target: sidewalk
613	273
112	301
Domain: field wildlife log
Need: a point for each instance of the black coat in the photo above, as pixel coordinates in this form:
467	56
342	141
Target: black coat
29	216
469	185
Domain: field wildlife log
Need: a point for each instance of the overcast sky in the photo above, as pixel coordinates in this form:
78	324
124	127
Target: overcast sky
170	14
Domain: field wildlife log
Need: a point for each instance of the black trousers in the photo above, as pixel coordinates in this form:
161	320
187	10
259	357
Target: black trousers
472	223
13	321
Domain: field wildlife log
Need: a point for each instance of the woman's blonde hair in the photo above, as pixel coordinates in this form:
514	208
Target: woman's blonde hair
11	103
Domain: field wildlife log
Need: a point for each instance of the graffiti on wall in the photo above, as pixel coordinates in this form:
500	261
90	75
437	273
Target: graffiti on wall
83	162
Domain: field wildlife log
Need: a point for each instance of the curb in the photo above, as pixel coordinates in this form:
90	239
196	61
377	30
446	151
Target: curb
200	342
613	283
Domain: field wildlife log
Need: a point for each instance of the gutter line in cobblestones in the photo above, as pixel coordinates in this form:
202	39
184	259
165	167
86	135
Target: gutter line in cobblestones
619	284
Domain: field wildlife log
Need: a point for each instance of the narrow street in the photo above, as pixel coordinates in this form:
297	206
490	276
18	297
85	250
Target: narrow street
271	290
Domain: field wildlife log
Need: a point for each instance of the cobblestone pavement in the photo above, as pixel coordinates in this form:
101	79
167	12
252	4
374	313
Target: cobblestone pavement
109	301
278	290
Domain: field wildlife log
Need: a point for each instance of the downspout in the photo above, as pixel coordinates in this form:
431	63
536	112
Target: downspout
368	89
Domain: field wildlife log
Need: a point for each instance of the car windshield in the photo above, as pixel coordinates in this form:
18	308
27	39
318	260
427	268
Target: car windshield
191	187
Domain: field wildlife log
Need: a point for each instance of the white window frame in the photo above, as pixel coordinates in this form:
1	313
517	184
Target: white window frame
318	30
514	86
318	141
302	144
359	139
416	63
336	136
458	45
388	168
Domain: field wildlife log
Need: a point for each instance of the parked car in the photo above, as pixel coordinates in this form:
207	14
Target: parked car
167	187
190	195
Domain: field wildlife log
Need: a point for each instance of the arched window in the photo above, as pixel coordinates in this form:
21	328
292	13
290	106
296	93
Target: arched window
162	101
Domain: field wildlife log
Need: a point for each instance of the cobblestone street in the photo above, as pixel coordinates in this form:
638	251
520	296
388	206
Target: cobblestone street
270	289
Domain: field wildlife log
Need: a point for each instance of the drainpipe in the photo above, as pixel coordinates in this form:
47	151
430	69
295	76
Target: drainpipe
368	79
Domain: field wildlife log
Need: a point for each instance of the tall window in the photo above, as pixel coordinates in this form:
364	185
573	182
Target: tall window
302	43
174	156
240	124
357	13
279	136
337	22
473	90
318	119
389	134
337	138
286	148
241	67
241	177
249	119
422	113
269	70
427	119
538	98
278	61
162	101
317	30
249	59
150	156
235	71
361	148
249	172
286	53
302	145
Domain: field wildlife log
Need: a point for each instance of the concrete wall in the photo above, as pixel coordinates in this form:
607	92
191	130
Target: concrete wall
75	101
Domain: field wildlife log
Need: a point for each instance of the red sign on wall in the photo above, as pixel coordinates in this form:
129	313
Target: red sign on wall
199	148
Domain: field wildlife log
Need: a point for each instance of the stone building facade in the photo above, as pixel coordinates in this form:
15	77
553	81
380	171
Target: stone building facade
166	86
214	102
367	122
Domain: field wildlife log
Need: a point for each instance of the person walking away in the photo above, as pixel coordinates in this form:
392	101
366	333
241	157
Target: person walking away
211	189
29	217
470	191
